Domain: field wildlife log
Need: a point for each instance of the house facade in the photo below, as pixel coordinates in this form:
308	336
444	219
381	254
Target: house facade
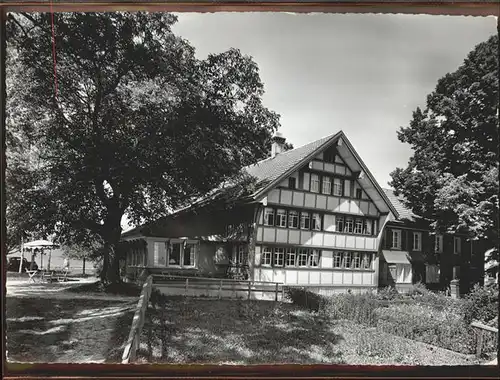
315	218
413	252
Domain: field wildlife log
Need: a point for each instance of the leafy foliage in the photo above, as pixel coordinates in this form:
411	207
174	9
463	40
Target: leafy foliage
452	177
481	304
139	126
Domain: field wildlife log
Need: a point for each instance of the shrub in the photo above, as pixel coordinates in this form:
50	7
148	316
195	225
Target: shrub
356	307
418	289
388	293
481	304
426	324
305	299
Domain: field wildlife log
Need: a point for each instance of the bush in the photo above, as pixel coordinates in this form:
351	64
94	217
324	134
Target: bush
355	307
305	299
426	324
481	304
388	293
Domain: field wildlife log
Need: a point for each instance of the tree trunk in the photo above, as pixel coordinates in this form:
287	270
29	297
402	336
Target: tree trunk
83	266
111	268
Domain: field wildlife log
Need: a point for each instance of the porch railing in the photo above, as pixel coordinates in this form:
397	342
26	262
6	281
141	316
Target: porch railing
218	286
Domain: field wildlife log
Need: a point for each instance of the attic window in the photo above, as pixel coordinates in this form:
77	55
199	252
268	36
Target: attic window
359	192
292	183
329	156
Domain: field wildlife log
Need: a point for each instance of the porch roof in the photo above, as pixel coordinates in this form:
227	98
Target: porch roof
396	257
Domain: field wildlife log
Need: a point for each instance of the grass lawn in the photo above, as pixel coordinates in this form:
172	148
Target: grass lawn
258	332
66	330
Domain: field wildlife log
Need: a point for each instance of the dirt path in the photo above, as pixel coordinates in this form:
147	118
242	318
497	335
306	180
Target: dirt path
24	289
46	323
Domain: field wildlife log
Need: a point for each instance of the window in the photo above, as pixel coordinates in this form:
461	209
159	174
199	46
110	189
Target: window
290	257
189	255
356	260
242	258
366	264
417	241
347	259
305	220
279	257
359	192
316	222
292	182
314	183
159	254
367	227
339	223
266	256
438	244
337	187
327	185
302	258
329	156
314	258
174	258
457	245
268	216
358	227
281	218
392	272
182	254
396	239
337	260
293	219
348	225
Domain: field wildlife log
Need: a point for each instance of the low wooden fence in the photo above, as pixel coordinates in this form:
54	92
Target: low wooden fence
130	351
481	330
218	287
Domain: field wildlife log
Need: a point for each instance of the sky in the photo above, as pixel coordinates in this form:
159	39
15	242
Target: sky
361	73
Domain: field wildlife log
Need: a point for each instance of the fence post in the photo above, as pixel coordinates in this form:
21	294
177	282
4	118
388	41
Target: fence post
220	289
276	293
249	289
479	347
187	285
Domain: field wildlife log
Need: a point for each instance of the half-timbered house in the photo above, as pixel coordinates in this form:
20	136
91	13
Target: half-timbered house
315	217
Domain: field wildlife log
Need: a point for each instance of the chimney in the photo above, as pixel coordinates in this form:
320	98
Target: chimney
278	144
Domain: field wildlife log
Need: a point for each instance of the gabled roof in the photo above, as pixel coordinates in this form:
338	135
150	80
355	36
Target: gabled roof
398	201
271	171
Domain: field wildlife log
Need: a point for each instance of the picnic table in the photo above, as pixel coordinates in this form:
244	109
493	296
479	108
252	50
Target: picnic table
45	276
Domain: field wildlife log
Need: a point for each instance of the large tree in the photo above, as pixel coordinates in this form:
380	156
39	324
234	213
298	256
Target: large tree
452	177
123	120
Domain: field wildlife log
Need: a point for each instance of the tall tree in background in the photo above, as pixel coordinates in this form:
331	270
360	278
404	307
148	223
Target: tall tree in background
452	177
138	125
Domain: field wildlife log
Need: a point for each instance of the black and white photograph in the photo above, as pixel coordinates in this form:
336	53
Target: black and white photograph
243	188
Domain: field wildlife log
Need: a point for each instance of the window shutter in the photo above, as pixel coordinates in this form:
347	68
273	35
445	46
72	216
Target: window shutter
388	238
404	241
